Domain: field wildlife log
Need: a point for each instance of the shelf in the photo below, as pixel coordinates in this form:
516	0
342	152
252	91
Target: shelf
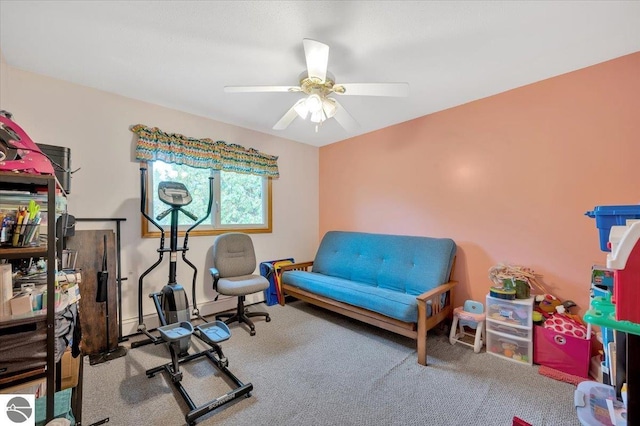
17	181
16	320
36	373
20	252
42	185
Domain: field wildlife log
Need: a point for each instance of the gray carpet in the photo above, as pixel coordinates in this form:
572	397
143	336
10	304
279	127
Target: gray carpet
309	366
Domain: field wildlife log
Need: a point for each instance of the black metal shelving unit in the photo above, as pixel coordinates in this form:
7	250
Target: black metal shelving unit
36	183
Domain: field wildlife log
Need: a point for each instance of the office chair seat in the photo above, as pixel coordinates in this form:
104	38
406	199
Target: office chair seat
234	264
242	285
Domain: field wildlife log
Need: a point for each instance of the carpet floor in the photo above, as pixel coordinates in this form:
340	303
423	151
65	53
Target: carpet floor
309	366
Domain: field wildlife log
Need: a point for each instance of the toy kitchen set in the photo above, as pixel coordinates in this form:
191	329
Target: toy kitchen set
618	310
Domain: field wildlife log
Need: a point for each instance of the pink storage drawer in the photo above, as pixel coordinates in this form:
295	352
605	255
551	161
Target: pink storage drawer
562	352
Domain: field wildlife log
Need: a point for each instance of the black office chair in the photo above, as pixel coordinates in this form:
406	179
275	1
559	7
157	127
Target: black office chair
234	263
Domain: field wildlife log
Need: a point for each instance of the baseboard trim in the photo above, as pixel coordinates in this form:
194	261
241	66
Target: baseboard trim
224	303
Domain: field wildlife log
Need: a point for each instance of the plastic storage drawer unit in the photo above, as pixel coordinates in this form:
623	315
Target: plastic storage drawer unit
516	312
510	347
516	331
608	216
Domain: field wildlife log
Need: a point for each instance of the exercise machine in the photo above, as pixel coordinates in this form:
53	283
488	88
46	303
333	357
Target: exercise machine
172	306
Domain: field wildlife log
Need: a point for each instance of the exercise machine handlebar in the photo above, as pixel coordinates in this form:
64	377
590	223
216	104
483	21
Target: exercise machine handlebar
161	250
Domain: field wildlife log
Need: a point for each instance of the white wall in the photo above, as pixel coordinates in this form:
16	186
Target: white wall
95	126
3	78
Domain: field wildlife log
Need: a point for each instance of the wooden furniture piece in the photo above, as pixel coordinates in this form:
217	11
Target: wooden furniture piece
90	247
400	283
119	277
439	299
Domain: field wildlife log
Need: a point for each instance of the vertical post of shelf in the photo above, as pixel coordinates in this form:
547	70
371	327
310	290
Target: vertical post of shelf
51	296
119	282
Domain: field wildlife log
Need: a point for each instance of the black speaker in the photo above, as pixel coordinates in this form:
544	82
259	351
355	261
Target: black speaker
61	159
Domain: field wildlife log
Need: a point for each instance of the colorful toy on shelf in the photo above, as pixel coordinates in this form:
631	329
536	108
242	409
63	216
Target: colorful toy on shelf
601	276
547	303
470	315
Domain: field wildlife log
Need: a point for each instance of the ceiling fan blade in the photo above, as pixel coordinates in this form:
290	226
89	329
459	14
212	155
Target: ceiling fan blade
317	57
373	89
287	118
251	89
345	119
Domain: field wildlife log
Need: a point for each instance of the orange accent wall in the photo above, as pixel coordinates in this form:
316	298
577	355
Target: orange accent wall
508	177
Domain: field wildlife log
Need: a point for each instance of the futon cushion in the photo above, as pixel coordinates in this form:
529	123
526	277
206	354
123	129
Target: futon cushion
406	264
394	304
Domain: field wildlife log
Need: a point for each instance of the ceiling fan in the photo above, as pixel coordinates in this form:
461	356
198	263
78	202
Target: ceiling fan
318	84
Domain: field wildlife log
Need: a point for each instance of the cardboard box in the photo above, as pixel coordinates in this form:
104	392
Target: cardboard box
21	304
6	289
36	387
70	369
602	276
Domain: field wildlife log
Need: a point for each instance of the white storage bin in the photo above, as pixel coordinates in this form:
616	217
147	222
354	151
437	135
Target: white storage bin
512	330
516	312
509	347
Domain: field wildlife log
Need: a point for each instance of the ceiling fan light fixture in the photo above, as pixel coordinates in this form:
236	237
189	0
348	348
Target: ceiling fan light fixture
329	107
317	116
301	108
314	103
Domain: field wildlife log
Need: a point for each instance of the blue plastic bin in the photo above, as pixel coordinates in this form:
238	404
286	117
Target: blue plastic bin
266	270
608	216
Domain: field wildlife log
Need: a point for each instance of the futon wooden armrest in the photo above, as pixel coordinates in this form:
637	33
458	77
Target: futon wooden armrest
438	314
436	291
301	266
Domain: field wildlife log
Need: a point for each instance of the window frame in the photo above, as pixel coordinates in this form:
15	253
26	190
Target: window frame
150	231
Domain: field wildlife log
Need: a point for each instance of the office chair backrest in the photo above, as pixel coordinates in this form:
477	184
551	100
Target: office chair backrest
233	255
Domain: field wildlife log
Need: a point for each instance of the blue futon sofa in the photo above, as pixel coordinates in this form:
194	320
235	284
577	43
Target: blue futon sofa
399	283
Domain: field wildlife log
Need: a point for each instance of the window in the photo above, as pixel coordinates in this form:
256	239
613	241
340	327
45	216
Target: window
241	202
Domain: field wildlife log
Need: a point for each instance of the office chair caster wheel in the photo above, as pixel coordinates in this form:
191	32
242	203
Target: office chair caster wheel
267	319
252	333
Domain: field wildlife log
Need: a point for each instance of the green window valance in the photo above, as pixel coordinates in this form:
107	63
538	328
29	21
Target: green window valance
154	144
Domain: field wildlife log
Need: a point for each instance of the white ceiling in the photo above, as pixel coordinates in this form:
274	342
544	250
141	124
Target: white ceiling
181	54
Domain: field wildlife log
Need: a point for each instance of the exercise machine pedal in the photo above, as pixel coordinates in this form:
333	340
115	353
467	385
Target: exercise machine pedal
213	332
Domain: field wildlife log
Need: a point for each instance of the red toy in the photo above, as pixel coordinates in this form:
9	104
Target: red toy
624	259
